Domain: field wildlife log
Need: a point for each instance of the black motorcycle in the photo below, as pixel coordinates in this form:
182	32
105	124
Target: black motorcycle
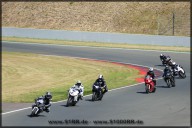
169	80
38	107
97	92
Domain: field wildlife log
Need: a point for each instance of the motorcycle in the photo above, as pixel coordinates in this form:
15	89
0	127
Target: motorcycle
73	97
38	107
149	84
169	80
97	92
179	71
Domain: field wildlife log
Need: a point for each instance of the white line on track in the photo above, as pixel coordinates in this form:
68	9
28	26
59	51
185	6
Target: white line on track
89	94
100	47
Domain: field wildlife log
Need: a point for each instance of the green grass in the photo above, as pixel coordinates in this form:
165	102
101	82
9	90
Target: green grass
26	76
97	44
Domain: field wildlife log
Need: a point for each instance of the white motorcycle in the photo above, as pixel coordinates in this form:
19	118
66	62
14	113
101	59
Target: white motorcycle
38	107
179	71
73	97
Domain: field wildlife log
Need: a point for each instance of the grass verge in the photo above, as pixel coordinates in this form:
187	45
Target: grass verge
96	44
26	76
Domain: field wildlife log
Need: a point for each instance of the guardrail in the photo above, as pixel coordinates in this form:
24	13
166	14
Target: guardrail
96	36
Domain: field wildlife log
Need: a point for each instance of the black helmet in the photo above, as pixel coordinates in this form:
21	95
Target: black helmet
48	95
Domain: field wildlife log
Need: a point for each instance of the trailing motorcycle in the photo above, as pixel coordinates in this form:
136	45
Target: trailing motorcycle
73	97
149	84
97	92
169	80
38	107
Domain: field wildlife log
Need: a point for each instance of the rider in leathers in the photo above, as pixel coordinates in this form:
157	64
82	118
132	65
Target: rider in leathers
162	57
152	74
102	82
47	99
168	70
79	86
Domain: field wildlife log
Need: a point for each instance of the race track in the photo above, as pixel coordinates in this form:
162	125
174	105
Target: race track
165	107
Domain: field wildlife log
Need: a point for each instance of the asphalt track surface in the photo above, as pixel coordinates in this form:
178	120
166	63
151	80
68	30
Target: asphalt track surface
165	107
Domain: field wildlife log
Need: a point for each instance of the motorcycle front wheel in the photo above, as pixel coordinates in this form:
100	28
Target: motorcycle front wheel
69	101
168	83
181	74
34	111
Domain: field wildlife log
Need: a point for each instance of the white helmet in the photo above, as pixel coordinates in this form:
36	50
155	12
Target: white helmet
100	76
150	69
161	54
173	63
78	82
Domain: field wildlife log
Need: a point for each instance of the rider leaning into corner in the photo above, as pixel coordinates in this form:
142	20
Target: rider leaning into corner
46	98
174	67
152	74
102	82
79	86
168	70
162	57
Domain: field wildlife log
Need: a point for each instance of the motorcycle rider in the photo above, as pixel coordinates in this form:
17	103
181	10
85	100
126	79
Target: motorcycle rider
168	70
102	82
79	86
162	57
47	98
174	67
168	60
152	74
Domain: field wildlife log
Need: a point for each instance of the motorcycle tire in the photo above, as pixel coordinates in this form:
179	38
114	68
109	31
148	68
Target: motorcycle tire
34	111
69	101
181	74
168	81
94	96
147	88
154	90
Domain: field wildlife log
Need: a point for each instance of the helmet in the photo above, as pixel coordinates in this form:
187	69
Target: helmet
173	63
166	67
48	95
150	69
78	82
161	54
100	76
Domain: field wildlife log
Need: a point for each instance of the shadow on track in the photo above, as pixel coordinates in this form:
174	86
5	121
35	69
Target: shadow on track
160	65
161	87
142	92
36	116
64	105
90	100
69	106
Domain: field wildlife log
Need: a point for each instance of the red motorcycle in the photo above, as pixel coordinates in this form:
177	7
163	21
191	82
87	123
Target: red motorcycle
149	84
